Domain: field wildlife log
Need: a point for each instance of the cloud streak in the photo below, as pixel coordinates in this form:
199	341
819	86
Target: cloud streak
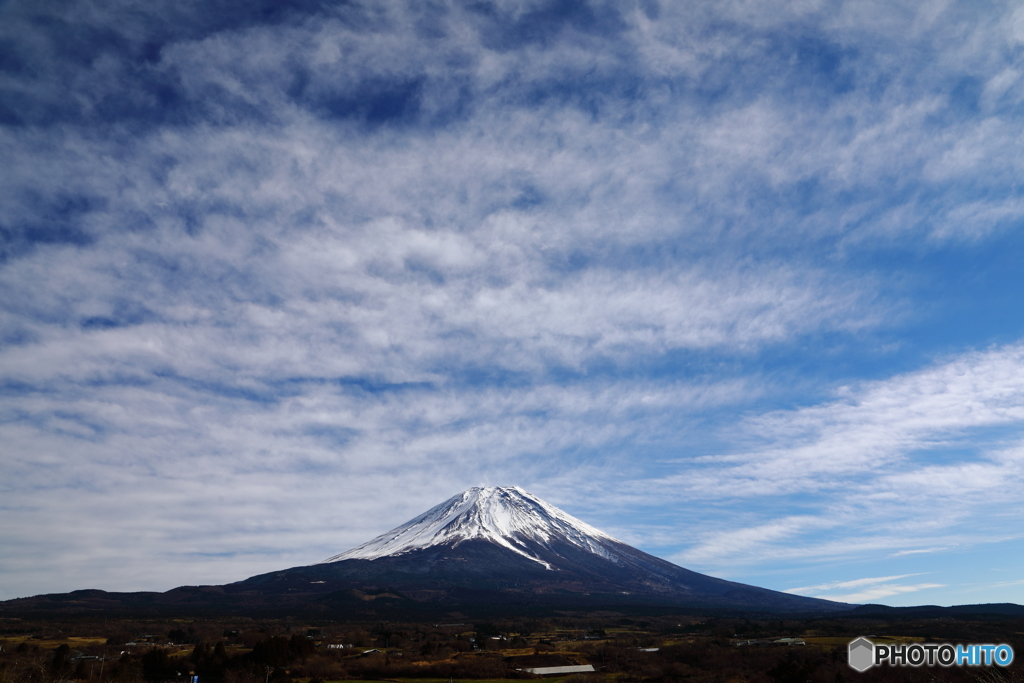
874	588
866	469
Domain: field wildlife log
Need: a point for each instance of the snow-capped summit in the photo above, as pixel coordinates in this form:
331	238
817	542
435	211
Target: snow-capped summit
506	516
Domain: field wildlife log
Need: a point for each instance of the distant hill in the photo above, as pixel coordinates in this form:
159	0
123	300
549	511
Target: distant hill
995	609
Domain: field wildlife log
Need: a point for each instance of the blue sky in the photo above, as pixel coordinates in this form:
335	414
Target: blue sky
735	282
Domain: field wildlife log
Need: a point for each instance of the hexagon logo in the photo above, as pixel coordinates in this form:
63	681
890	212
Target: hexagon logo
862	654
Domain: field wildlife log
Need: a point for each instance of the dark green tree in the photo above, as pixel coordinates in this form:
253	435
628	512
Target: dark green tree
60	666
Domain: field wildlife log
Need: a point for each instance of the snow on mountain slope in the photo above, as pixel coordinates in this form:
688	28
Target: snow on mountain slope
505	515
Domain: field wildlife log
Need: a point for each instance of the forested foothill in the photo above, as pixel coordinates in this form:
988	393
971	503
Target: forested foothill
622	649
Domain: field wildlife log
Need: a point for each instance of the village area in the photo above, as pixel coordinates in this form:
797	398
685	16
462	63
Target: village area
593	648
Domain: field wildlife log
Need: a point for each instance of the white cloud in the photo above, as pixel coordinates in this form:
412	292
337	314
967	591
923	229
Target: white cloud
918	551
879	592
855	583
751	542
871	588
857	441
868	471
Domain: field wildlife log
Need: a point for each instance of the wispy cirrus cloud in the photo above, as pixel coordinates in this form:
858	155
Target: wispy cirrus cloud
918	551
874	588
855	583
865	470
876	426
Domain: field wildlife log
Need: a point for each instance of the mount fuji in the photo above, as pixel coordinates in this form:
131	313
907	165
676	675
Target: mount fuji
505	545
485	551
